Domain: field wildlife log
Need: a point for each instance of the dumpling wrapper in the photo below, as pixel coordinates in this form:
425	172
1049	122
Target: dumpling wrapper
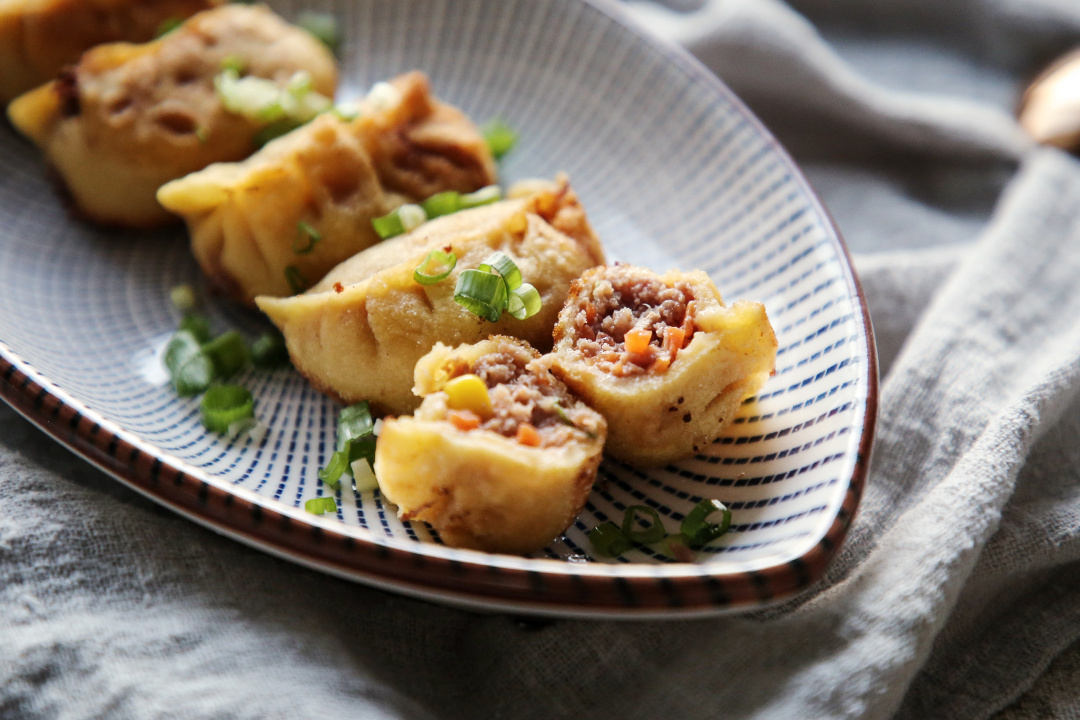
358	334
129	118
336	176
482	488
39	37
660	414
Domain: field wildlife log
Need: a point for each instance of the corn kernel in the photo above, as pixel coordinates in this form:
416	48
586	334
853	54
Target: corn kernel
468	392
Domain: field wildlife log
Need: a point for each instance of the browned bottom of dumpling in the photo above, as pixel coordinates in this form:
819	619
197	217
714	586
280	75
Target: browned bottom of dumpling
499	457
661	357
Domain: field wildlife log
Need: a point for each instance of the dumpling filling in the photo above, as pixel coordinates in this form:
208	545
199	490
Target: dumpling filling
523	401
630	324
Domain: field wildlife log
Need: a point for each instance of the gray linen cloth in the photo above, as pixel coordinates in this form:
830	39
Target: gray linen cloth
957	594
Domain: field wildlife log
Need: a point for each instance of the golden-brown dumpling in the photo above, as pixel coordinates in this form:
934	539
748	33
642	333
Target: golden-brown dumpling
129	118
505	469
359	332
333	176
661	357
38	37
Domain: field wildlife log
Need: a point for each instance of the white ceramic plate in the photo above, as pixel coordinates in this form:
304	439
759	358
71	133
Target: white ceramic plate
674	172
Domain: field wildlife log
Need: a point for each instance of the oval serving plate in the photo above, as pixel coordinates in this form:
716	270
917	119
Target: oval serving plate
674	172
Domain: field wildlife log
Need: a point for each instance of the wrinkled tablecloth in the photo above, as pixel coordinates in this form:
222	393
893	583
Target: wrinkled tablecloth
957	594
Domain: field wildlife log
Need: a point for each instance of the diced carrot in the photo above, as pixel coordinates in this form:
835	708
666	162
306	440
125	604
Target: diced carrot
688	319
673	339
637	340
464	419
661	364
527	435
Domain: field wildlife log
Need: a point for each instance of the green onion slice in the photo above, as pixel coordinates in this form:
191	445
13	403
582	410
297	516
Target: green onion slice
607	539
363	475
235	63
698	530
320	505
500	137
190	368
481	293
228	352
331	474
222	405
435	267
269	350
346	111
273	131
197	325
354	422
296	281
524	302
323	26
501	263
183	298
653	533
483	196
306	237
443	203
388	225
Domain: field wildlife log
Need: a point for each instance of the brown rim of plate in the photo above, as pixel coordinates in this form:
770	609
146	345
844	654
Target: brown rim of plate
559	589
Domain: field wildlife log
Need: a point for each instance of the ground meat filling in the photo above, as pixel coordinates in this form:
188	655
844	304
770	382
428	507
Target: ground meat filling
523	393
630	324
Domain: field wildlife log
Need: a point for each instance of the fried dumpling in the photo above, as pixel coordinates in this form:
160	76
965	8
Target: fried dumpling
38	37
499	456
661	357
358	333
129	118
250	221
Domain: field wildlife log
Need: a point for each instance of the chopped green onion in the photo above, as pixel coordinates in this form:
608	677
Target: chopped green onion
197	325
608	539
443	203
222	405
240	427
412	216
501	263
346	111
269	350
201	134
653	533
696	528
228	352
331	474
483	196
435	267
320	505
167	26
234	63
183	298
524	302
323	26
481	293
388	225
296	281
190	368
306	237
354	422
500	137
384	96
273	131
363	475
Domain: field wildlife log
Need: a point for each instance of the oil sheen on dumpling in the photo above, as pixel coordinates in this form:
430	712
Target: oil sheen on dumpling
334	177
499	457
129	118
38	37
661	357
358	334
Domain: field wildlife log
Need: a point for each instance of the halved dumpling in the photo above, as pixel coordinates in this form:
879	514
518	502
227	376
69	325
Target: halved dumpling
358	333
499	457
128	118
661	357
38	37
307	199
